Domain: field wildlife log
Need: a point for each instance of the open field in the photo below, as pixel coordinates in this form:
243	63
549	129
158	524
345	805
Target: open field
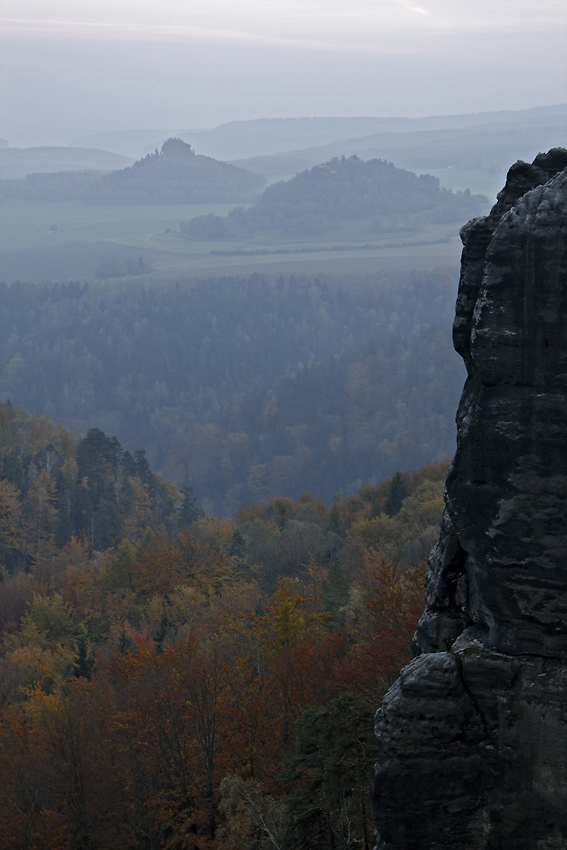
44	241
26	224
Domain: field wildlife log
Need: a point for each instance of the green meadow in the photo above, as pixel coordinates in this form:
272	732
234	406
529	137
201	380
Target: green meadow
31	224
63	240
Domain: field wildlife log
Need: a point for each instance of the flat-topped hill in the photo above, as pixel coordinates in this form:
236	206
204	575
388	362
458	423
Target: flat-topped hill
175	174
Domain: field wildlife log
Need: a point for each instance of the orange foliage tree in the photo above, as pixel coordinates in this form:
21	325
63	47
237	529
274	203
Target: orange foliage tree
393	604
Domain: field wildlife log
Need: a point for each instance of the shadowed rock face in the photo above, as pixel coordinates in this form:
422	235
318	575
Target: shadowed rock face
474	733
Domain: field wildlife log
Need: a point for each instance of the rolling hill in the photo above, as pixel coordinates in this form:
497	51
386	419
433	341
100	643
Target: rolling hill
339	191
174	175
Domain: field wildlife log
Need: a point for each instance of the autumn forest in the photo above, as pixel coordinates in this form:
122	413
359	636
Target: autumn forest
217	495
171	679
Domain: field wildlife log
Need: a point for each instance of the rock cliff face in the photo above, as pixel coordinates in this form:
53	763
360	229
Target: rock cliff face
474	733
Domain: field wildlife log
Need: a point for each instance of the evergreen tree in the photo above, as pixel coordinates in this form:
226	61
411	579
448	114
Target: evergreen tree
335	594
397	494
237	547
189	511
330	770
83	664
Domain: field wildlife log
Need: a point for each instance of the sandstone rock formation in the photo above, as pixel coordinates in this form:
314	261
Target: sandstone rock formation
474	733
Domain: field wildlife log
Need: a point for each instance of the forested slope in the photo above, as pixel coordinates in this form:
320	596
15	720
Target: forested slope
244	388
187	681
175	175
49	186
343	190
54	487
172	175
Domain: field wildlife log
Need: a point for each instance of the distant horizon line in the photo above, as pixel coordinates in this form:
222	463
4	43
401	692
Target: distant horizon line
174	128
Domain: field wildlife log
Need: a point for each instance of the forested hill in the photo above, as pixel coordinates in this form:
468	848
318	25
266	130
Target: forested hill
54	487
173	175
343	190
50	186
245	388
173	675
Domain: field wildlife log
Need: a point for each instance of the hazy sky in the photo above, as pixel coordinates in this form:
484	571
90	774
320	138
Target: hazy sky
70	67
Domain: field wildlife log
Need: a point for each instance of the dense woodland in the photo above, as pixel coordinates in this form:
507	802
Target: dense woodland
49	186
245	388
211	571
342	190
175	175
174	680
172	175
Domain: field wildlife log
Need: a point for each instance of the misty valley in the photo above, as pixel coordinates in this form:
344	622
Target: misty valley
227	413
253	339
244	388
98	205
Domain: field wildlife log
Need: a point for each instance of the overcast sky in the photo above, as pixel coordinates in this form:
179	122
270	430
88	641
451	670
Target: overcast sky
71	67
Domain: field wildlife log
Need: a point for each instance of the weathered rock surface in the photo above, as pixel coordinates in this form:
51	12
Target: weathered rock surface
474	733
